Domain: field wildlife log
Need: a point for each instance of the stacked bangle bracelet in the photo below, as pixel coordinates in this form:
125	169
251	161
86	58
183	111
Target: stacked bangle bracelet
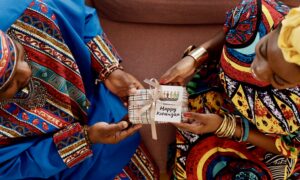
228	127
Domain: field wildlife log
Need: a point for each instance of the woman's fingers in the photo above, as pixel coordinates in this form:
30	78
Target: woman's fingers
134	83
113	128
193	128
168	77
194	116
128	132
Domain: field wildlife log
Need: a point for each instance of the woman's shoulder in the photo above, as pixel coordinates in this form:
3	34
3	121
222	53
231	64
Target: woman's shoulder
250	17
241	22
249	8
10	11
69	13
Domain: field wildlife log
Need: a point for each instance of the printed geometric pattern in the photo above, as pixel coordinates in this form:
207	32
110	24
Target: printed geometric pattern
105	58
72	145
277	164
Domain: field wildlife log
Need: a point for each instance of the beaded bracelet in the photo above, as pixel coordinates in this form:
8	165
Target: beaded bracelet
104	74
86	135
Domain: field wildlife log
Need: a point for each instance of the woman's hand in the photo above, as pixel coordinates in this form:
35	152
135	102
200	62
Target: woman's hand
178	73
105	133
198	123
122	84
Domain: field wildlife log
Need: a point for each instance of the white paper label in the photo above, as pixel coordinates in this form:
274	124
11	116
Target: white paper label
169	107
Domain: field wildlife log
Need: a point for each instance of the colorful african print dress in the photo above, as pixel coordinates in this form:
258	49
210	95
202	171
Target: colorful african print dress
226	85
67	51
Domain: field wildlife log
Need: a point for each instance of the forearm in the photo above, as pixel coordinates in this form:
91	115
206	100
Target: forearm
214	46
259	139
207	51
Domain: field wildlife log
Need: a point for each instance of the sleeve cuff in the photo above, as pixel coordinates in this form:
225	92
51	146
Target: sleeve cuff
105	58
72	145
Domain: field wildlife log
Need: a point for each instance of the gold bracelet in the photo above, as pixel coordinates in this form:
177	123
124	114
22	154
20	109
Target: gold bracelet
227	127
233	125
199	54
222	126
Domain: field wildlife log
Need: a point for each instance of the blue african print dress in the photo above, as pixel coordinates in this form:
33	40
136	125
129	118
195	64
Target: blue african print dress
227	86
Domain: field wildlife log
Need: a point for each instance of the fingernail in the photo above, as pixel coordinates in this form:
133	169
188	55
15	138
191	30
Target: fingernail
124	124
162	81
185	121
139	126
132	90
187	115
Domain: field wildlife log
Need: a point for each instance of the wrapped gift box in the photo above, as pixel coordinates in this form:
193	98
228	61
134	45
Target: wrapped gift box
161	104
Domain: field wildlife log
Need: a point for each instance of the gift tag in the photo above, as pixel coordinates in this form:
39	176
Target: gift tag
169	106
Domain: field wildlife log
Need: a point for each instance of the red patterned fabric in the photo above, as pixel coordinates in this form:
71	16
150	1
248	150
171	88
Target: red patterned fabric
140	167
72	145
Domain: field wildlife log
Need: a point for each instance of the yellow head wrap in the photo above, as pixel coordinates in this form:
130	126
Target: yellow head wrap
289	37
